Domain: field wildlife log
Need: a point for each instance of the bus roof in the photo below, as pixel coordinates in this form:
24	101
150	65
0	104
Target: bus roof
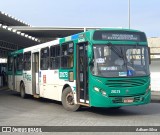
72	37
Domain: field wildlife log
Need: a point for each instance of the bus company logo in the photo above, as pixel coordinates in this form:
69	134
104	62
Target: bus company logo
6	129
127	91
63	74
27	77
21	129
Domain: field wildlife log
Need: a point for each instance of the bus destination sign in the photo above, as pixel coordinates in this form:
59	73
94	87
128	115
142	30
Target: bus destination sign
119	36
114	36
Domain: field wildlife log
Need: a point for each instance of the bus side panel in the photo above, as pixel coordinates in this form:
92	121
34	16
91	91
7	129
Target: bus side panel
51	86
49	80
27	79
18	80
10	82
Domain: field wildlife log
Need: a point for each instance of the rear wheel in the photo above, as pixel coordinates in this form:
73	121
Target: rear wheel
68	100
22	90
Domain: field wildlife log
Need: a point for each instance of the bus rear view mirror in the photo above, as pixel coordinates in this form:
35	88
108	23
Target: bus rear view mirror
90	53
149	54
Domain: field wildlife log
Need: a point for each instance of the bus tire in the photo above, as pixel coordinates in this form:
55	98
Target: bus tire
68	100
116	108
22	90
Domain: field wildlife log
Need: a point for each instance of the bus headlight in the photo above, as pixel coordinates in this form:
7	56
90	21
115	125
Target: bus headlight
96	89
103	93
148	89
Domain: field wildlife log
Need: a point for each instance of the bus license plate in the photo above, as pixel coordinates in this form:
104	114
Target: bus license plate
128	100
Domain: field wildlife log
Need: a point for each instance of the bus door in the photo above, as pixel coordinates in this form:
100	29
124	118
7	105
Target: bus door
35	73
82	74
14	74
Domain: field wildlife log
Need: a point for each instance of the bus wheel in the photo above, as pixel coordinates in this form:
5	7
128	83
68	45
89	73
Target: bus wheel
116	108
68	100
22	90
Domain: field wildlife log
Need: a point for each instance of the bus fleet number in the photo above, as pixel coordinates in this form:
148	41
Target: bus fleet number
64	74
115	91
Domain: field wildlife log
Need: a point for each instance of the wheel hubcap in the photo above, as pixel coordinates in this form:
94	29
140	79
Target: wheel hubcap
70	98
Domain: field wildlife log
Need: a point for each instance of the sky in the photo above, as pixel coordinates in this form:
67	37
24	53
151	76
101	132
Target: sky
145	14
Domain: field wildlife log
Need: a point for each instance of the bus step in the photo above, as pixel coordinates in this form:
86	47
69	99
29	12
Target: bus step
82	101
84	104
36	96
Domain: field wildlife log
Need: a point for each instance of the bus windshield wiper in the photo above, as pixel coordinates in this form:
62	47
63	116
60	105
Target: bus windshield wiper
124	58
119	53
115	50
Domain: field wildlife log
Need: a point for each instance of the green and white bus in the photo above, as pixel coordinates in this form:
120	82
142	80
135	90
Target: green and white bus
100	68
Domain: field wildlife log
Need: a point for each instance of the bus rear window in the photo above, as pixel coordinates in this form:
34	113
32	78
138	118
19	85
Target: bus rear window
119	36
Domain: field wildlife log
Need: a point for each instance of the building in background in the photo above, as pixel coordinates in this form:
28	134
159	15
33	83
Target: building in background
154	44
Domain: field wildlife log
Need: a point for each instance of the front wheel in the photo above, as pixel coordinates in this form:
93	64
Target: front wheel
68	100
22	90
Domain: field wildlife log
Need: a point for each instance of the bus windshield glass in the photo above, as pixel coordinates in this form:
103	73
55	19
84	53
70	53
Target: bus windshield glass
120	61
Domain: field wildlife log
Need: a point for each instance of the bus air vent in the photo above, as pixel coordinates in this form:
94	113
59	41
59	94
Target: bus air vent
125	83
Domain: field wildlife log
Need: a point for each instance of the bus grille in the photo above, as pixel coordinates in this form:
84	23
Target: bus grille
117	100
125	83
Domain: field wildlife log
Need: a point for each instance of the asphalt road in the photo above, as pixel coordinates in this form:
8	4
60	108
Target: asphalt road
15	111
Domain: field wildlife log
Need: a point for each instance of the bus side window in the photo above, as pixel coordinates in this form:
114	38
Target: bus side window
55	57
10	63
27	61
19	62
44	58
67	55
15	64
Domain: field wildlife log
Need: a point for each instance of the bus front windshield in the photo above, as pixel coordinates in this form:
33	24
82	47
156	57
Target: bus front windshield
120	61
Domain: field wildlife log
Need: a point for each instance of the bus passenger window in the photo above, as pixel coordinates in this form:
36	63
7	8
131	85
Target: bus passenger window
55	57
19	62
44	58
10	63
67	55
27	61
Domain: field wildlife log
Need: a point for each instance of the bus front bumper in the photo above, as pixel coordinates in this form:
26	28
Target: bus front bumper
99	100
